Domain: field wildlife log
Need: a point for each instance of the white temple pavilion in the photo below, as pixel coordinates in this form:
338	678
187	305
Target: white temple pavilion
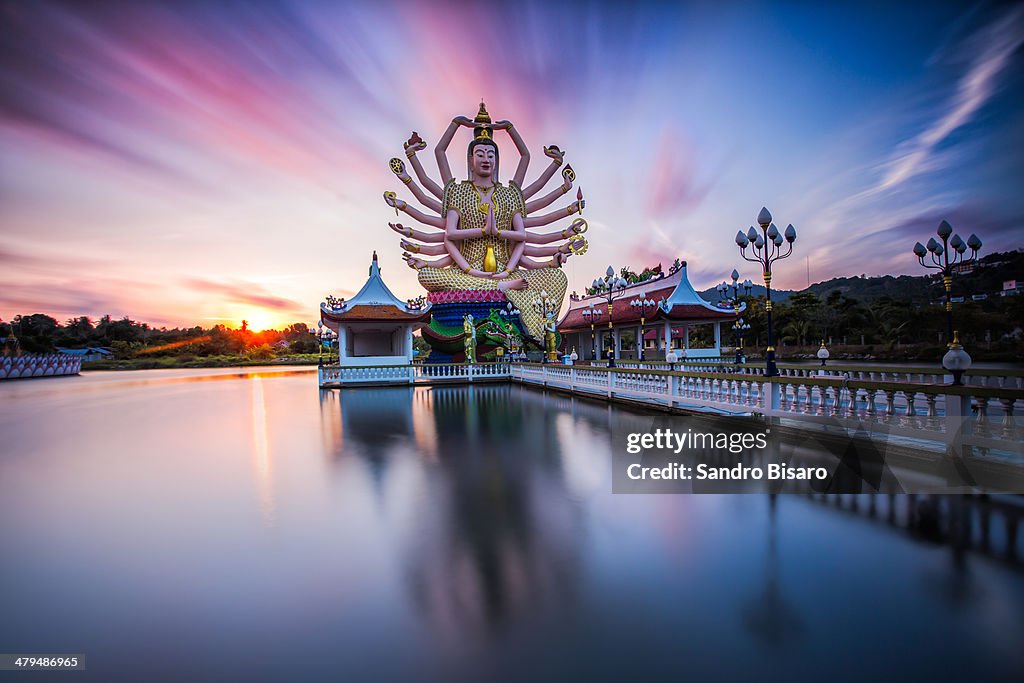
374	327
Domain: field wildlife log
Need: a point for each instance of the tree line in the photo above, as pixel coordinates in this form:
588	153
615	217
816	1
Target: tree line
126	338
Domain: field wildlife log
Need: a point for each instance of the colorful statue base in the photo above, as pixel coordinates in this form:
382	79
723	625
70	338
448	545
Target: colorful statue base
446	333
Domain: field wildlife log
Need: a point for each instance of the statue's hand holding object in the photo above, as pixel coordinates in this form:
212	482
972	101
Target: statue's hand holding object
414	144
400	229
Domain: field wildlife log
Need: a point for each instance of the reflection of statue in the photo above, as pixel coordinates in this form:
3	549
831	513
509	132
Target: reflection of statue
549	337
487	252
470	341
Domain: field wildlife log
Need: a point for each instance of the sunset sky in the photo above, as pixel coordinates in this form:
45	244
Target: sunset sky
194	163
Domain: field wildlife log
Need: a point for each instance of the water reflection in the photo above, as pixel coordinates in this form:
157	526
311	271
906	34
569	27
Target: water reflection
458	533
770	617
499	540
261	452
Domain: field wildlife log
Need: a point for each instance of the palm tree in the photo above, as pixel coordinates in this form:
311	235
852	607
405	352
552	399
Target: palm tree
797	331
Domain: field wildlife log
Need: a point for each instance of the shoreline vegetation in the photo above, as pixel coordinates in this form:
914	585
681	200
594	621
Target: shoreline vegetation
173	362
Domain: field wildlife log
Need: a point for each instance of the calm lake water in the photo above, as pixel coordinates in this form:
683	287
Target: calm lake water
243	525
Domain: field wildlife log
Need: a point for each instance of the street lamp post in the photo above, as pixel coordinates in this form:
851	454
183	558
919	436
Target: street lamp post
766	249
545	308
642	305
738	328
610	287
509	313
592	315
320	342
731	294
944	257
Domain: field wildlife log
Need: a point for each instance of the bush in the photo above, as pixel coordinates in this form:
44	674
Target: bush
261	352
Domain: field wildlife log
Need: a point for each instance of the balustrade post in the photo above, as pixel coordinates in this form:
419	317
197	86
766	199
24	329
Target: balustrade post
772	405
870	396
851	410
1007	404
957	425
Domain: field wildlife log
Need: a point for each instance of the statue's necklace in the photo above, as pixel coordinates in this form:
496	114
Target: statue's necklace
481	205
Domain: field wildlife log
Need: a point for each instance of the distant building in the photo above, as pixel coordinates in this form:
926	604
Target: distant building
1010	288
680	309
87	355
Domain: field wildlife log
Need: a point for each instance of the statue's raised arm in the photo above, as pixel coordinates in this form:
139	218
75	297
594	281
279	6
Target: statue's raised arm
412	146
548	218
398	168
392	200
557	156
524	152
420	235
441	151
568	175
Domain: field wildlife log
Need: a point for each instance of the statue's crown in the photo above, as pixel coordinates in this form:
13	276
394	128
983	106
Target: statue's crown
482	131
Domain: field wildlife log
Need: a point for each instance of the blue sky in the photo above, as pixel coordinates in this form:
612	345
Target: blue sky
200	162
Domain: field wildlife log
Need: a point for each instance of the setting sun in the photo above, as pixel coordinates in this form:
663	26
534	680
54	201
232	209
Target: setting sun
258	320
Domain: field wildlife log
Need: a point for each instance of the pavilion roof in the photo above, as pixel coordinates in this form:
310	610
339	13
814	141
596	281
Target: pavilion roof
681	304
374	302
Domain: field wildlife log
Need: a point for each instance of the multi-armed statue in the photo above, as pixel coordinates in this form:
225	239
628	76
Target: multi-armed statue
480	229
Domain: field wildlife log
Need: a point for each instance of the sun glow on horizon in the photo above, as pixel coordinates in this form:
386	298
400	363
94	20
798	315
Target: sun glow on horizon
256	320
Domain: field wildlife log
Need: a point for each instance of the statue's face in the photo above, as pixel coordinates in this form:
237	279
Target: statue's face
483	160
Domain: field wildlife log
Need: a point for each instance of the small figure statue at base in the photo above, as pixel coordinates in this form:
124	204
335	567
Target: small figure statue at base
549	337
470	338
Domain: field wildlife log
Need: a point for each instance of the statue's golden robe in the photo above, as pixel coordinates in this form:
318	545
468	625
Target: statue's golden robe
508	200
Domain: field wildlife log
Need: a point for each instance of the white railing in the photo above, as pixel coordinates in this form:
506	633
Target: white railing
978	377
983	417
335	376
39	365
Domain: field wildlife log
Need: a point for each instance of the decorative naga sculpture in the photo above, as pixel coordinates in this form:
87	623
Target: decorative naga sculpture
481	230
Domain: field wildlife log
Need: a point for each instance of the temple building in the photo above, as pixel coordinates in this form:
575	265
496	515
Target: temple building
669	325
374	327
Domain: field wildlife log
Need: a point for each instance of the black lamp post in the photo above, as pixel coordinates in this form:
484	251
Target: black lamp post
320	342
642	305
944	257
730	293
509	313
738	328
592	315
766	249
610	287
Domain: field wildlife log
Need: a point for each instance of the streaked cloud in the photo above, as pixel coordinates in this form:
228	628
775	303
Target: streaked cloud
995	45
222	147
244	293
